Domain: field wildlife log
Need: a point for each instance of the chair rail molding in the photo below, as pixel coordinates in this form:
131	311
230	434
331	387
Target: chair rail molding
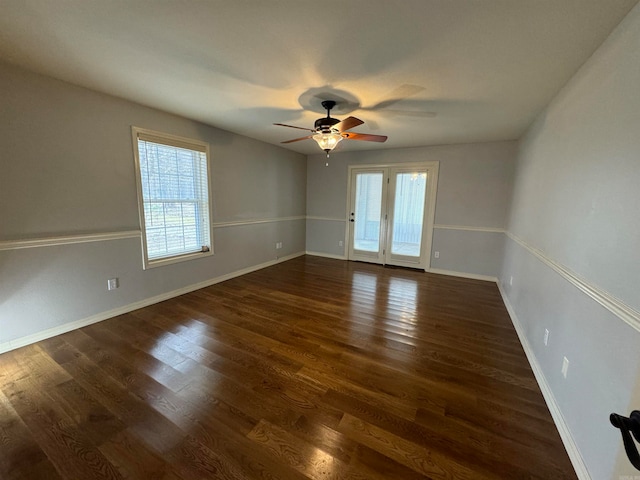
67	239
625	312
469	228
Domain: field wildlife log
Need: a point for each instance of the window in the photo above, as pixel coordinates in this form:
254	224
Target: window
173	197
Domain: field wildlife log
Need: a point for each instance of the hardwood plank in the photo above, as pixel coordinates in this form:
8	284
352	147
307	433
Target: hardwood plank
194	460
157	433
313	368
30	361
438	433
133	460
419	459
495	452
325	438
97	423
373	464
368	394
237	454
109	351
309	460
73	455
19	451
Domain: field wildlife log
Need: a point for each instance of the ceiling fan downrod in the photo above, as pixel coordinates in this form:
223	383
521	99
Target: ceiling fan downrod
328	105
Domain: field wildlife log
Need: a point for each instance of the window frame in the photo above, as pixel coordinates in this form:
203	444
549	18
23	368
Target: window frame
179	142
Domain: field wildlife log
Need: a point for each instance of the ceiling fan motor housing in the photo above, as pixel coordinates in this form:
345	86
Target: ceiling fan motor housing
324	124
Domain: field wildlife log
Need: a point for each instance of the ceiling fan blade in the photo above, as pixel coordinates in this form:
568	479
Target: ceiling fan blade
293	126
297	139
347	124
364	136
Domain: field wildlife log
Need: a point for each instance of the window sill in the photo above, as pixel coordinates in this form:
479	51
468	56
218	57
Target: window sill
161	262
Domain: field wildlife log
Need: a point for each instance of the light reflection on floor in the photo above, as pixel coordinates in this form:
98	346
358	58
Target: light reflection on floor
363	326
200	392
398	299
404	292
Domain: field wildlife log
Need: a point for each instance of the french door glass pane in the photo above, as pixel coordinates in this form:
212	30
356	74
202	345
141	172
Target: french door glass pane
408	213
368	207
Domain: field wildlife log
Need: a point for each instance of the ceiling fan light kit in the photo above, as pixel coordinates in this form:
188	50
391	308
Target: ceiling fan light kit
328	132
327	141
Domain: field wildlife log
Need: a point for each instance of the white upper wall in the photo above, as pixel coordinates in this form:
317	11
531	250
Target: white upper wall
577	187
67	168
474	186
575	208
474	182
67	162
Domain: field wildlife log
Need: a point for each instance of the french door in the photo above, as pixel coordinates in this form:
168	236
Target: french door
391	212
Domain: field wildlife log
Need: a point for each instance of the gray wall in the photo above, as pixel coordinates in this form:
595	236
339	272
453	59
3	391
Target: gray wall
474	187
67	168
575	215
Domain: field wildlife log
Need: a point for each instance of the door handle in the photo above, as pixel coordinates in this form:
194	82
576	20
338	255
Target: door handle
629	427
352	220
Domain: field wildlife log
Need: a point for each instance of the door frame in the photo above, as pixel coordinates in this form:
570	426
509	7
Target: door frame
364	256
432	168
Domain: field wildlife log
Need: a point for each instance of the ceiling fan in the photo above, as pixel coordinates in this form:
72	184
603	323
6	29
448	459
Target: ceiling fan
328	132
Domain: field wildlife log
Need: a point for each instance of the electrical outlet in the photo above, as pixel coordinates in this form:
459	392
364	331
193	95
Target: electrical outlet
340	243
112	284
546	337
436	254
278	245
565	367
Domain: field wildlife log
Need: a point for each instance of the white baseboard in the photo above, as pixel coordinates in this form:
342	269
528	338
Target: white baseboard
563	429
67	327
463	275
327	255
433	270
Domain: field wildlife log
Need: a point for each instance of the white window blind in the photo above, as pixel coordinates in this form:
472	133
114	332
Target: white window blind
174	189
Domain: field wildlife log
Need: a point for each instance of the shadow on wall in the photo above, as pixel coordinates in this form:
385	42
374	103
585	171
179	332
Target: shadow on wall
22	274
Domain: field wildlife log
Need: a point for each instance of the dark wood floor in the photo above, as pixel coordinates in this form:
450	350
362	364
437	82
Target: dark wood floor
313	368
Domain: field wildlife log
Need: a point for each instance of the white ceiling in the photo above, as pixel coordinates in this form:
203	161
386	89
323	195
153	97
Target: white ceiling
462	70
